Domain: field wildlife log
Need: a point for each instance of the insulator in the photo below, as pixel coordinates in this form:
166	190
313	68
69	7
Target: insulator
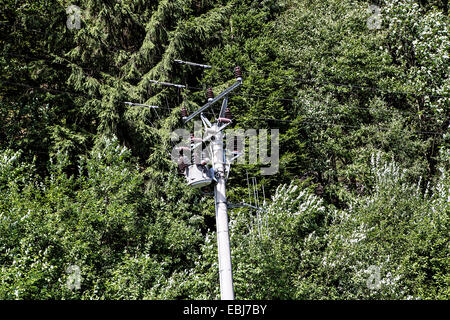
184	112
205	161
238	73
224	120
210	94
181	164
194	139
228	113
235	144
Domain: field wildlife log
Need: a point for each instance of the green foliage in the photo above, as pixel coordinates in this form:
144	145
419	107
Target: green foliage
87	180
398	228
272	248
66	220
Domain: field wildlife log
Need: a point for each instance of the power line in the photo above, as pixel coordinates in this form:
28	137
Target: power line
347	85
176	85
69	63
183	87
167	149
201	89
300	100
282	99
83	95
80	94
49	90
316	82
335	124
205	112
168	84
192	88
209	113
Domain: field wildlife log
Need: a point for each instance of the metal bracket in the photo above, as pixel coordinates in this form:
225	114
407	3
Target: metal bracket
228	163
224	126
235	157
205	121
214	100
224	106
241	205
140	104
213	174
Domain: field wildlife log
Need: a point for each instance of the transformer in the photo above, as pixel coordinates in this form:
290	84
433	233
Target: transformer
198	175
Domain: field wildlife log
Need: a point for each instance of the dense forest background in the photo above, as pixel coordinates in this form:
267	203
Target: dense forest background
361	100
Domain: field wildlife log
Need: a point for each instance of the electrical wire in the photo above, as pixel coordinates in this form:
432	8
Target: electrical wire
212	114
79	94
300	100
362	126
192	88
320	83
49	60
306	81
49	90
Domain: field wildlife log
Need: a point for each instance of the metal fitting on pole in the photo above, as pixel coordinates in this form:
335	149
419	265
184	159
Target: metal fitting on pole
238	73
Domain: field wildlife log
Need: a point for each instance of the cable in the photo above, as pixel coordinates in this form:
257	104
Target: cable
300	100
335	124
185	86
208	113
73	93
322	83
212	114
168	84
201	89
204	66
351	86
49	60
49	90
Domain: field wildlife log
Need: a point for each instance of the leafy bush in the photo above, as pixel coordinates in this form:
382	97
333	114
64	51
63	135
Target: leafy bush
400	229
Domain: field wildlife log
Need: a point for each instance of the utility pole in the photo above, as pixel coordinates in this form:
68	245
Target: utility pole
199	176
223	239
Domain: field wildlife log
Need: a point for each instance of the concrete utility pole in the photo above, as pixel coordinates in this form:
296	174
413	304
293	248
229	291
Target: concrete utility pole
223	239
199	177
